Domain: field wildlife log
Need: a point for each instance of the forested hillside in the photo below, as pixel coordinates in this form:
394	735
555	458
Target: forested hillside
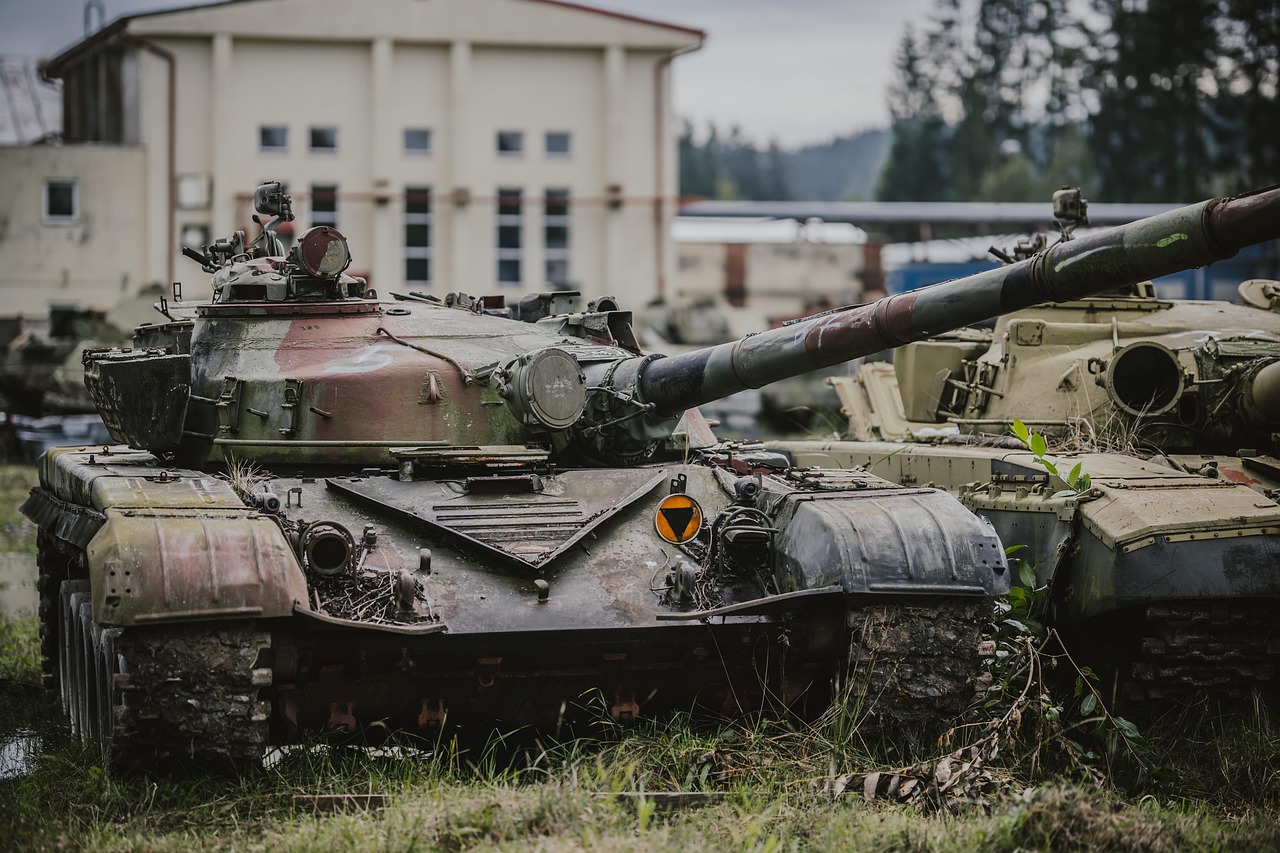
1006	100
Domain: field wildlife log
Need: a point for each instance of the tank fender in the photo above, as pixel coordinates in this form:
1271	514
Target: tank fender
1188	538
158	565
904	541
1223	565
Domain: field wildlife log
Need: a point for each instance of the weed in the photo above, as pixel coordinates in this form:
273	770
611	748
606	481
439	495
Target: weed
1077	479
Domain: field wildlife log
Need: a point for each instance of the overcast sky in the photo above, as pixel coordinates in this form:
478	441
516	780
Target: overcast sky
797	71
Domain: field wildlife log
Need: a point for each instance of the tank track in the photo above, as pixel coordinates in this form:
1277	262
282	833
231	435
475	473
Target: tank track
914	664
189	694
1226	650
53	564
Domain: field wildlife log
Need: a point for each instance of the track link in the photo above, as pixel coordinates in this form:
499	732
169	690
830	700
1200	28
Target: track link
164	697
914	664
1226	650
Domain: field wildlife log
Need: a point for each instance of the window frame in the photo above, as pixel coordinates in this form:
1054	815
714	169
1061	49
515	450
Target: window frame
417	217
506	219
568	144
311	139
557	204
327	191
273	149
498	140
58	219
416	152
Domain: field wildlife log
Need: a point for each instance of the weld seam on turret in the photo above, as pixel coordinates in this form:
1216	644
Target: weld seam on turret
1041	286
638	382
733	364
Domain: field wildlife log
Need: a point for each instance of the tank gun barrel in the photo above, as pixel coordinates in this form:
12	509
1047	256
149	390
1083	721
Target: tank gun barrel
1187	237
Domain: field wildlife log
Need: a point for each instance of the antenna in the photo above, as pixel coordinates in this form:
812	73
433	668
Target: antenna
89	6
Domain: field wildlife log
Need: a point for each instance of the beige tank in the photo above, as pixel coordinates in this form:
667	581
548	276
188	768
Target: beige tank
1163	567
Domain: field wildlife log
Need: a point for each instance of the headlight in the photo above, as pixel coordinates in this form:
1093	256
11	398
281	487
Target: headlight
323	252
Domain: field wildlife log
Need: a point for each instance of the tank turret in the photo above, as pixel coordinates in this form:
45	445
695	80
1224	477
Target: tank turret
295	361
1122	367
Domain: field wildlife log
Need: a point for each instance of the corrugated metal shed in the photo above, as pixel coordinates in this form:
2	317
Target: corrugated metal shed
30	108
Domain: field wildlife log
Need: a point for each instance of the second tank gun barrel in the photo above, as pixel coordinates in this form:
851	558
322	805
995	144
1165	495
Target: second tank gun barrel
1180	239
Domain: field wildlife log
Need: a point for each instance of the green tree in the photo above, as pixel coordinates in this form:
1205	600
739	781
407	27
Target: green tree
1153	78
1249	49
915	168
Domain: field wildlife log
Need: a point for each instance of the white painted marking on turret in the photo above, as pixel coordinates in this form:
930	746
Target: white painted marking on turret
372	357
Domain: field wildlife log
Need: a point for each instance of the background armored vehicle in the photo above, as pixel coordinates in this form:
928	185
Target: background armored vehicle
338	511
32	353
1198	381
1162	564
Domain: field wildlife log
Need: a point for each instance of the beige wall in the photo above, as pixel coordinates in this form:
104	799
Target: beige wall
450	66
92	261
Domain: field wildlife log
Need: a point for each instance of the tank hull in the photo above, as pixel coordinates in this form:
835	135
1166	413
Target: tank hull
182	608
1168	579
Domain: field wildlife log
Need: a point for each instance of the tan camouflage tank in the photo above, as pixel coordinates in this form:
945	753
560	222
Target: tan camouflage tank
1163	567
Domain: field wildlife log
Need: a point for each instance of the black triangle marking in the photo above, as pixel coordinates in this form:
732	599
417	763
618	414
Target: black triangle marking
678	518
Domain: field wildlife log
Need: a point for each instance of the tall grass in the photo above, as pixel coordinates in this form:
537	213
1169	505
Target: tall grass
768	785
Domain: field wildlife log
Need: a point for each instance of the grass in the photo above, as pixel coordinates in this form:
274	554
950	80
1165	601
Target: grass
16	533
769	787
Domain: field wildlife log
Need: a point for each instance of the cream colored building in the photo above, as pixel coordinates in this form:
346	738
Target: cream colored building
68	237
487	146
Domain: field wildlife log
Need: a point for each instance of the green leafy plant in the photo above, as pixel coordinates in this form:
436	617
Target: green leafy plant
1077	479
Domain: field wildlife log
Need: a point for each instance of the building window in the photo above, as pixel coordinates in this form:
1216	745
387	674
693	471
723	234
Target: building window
273	137
417	140
324	205
555	231
324	139
510	238
417	235
195	235
558	143
510	142
61	201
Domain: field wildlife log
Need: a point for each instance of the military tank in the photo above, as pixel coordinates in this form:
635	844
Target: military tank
1162	568
331	510
1197	381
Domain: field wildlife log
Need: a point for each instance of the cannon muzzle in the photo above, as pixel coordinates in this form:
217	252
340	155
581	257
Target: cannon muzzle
1185	238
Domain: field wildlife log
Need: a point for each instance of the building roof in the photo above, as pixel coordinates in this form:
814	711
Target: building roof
439	21
764	230
30	108
1005	215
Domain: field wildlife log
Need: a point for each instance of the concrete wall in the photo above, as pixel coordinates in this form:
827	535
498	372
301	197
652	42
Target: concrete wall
94	260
